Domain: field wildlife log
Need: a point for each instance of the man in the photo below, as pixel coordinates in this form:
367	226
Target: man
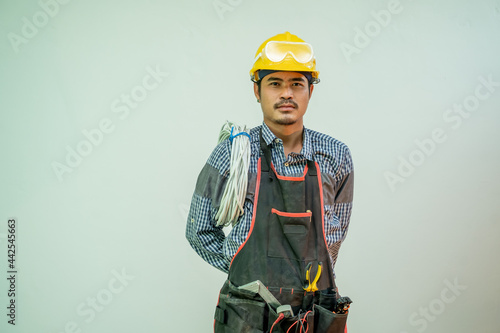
296	212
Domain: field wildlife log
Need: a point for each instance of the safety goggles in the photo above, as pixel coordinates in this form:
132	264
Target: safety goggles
276	51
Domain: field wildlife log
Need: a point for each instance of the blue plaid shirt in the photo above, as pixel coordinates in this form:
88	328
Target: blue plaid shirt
335	163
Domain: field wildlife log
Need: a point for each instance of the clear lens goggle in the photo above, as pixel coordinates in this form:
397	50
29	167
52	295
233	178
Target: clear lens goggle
277	51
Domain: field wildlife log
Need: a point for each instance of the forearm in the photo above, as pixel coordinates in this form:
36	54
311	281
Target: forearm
337	231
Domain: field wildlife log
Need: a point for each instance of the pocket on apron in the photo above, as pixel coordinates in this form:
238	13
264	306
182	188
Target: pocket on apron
292	230
327	299
326	321
237	312
319	320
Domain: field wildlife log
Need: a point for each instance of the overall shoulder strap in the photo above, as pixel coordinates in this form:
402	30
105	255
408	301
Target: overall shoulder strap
266	156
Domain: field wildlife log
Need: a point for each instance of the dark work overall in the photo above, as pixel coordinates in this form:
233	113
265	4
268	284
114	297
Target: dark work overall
285	236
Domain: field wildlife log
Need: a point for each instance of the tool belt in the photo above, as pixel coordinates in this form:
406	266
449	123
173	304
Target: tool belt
241	310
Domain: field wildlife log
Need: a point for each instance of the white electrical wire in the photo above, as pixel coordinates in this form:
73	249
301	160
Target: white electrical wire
233	198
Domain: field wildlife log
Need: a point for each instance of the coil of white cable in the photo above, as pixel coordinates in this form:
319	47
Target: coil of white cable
233	198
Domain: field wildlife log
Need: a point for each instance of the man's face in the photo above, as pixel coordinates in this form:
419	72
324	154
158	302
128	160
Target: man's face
284	97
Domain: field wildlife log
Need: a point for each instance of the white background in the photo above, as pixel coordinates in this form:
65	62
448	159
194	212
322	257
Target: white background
122	209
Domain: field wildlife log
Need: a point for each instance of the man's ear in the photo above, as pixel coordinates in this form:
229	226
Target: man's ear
311	88
256	91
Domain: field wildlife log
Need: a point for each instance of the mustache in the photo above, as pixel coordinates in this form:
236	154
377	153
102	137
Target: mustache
286	102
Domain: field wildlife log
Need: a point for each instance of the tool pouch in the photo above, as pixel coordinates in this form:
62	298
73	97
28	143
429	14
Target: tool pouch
240	311
321	318
326	321
318	320
243	311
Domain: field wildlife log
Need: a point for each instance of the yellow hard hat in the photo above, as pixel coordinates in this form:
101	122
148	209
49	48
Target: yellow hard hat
285	52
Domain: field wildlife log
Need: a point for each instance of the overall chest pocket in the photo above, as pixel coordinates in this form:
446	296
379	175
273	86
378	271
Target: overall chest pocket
288	236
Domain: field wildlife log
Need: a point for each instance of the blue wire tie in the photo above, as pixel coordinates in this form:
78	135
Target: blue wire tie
231	137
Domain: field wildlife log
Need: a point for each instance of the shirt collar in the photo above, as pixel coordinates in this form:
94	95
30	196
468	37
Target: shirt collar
268	136
307	150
